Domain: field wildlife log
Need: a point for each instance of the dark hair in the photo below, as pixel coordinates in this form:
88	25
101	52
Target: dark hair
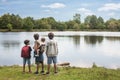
36	36
50	35
42	39
26	42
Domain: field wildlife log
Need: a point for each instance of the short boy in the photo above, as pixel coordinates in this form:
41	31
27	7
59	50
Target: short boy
26	55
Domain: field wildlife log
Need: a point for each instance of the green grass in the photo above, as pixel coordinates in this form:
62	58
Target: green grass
69	73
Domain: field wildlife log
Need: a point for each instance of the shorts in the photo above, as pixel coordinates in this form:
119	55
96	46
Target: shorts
26	60
52	59
39	59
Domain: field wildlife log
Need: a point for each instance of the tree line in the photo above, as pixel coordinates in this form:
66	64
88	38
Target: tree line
12	21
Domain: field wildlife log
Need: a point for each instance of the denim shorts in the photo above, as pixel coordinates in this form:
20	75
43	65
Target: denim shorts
52	59
39	59
26	60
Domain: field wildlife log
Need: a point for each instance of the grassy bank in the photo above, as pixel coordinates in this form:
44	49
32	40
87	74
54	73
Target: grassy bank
70	73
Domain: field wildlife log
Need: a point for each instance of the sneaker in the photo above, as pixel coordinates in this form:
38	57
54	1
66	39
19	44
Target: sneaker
47	73
42	72
36	72
36	55
55	72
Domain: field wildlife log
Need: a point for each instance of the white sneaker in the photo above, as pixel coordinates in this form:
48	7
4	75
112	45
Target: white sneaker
36	55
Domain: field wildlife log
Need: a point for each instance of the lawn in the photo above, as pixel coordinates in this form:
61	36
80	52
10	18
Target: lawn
68	73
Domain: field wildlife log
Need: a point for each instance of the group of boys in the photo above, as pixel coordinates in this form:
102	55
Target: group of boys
40	47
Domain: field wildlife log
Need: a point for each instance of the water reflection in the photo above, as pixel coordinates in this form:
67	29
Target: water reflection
73	47
8	44
76	40
113	38
92	40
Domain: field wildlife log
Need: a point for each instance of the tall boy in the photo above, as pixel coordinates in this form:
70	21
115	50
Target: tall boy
51	52
39	57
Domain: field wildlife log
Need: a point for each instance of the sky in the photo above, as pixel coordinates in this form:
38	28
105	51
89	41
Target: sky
61	10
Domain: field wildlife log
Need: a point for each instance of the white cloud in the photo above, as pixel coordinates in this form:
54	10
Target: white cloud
85	11
54	5
110	6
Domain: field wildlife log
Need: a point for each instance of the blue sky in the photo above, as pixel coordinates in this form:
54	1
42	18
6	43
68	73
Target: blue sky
61	10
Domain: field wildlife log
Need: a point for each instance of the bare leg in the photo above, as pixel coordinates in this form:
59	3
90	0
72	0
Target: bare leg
29	67
23	67
48	67
42	64
37	68
55	68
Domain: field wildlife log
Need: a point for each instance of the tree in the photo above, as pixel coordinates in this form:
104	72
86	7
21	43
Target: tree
87	21
9	26
16	21
51	21
100	23
61	26
4	21
28	23
112	23
76	18
93	22
70	24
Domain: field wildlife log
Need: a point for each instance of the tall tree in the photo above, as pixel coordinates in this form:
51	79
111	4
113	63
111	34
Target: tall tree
76	18
28	23
93	22
100	23
5	20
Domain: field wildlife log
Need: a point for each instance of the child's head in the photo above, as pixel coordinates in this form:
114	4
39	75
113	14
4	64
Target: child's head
36	36
50	35
43	39
26	42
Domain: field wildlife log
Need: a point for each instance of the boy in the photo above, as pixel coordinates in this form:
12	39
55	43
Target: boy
26	55
41	51
39	57
51	52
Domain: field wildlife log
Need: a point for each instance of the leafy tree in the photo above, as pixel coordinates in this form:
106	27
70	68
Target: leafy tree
16	21
9	26
70	24
112	23
100	23
93	22
5	19
28	23
76	26
61	26
87	21
76	18
51	21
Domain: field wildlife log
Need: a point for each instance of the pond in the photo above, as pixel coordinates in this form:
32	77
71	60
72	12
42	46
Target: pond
81	48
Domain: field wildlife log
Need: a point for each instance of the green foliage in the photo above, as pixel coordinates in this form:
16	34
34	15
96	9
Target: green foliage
61	26
28	23
9	26
94	65
49	23
76	18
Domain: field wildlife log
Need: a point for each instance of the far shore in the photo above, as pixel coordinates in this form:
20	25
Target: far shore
42	30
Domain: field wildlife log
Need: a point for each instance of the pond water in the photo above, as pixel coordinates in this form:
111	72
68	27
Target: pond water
81	49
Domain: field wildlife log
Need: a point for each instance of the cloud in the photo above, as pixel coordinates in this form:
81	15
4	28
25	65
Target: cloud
110	6
85	11
54	5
